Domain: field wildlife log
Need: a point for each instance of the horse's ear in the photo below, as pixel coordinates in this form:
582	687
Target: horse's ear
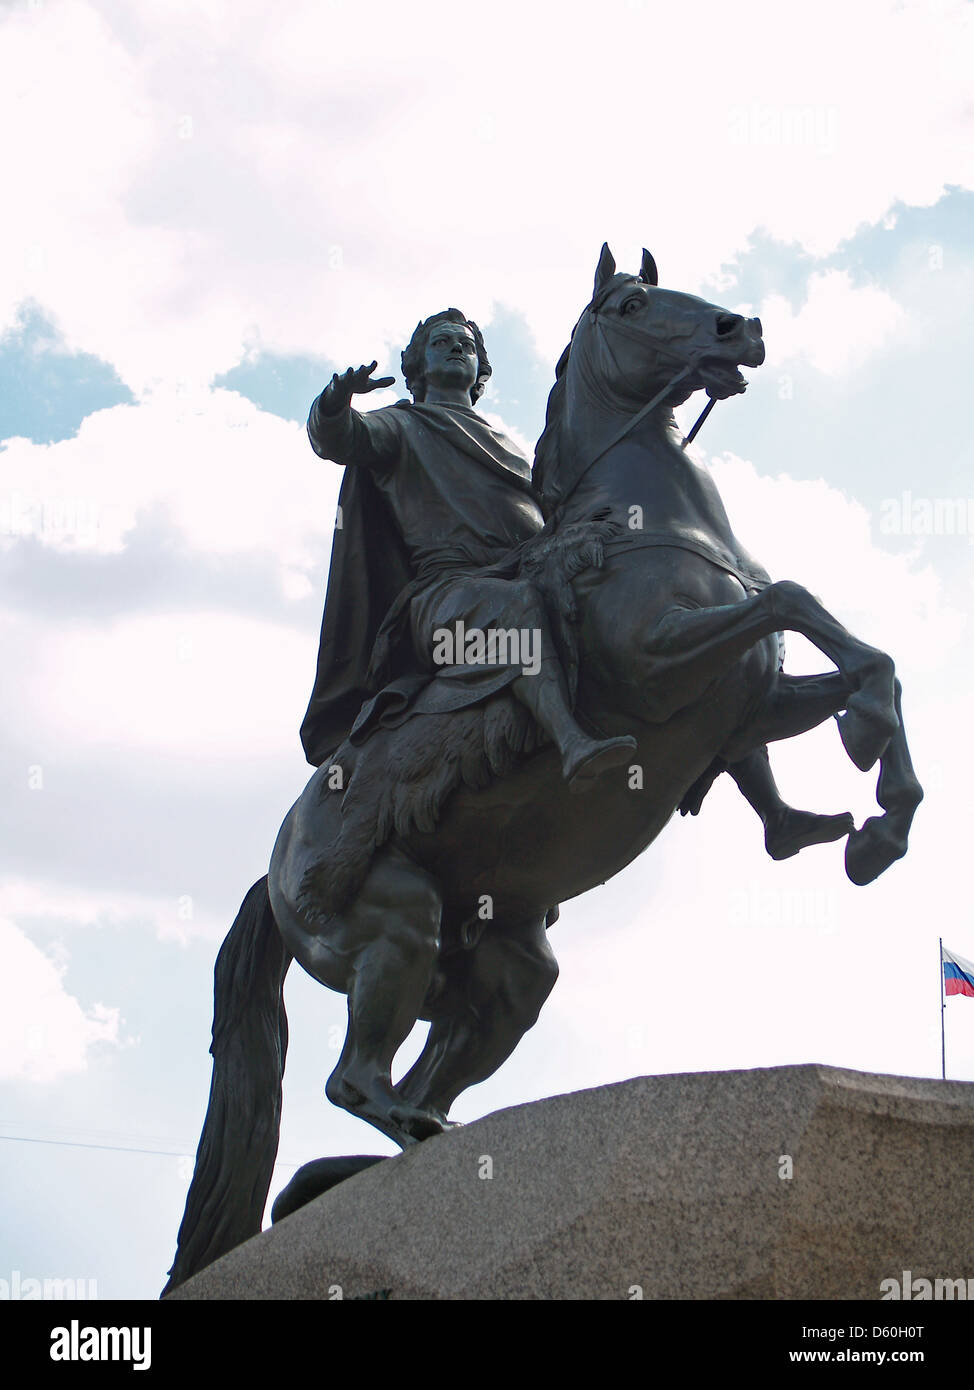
648	271
606	269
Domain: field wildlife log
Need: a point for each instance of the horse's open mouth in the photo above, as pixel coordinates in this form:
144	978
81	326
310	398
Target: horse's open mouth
721	378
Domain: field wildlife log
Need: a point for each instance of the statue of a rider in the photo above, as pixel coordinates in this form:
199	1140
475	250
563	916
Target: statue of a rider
376	887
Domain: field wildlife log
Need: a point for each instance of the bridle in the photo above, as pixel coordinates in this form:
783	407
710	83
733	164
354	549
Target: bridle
689	362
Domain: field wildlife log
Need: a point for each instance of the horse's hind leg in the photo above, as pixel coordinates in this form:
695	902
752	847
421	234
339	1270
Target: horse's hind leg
381	952
492	996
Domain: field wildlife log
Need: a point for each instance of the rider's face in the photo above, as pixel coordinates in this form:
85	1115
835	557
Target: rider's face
451	357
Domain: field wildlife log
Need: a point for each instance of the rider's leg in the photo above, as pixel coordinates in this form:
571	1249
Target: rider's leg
545	693
493	995
489	603
786	831
582	758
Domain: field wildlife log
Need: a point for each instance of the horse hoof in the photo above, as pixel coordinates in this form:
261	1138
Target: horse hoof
870	851
417	1125
798	830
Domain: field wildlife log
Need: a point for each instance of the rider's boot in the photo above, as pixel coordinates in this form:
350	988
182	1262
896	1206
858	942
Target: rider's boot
786	830
583	759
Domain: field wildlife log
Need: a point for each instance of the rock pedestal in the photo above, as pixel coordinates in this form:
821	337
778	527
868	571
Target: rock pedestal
785	1183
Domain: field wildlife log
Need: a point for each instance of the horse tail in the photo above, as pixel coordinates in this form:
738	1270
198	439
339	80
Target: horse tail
238	1146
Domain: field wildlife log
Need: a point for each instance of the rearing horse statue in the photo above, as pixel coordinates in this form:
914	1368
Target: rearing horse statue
378	888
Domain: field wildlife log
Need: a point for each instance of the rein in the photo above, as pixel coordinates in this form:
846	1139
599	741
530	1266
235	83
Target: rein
700	419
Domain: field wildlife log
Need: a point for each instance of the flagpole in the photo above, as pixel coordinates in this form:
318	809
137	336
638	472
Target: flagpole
943	1010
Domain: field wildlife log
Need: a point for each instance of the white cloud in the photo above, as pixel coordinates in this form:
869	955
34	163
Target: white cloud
197	685
186	173
229	476
838	326
814	533
177	919
45	1033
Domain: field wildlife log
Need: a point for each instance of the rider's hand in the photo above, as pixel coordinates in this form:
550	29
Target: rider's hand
356	381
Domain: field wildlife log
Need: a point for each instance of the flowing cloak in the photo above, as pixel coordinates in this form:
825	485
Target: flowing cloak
434	490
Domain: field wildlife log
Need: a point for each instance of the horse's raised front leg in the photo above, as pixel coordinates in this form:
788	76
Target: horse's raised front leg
787	830
795	704
491	996
883	839
691	648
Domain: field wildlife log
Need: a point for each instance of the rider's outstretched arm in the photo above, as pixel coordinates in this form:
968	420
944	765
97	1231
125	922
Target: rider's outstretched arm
347	436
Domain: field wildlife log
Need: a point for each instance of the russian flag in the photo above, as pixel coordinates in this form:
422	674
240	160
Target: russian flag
958	974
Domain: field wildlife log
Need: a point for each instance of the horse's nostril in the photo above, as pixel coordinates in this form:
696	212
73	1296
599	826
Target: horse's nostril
757	327
726	323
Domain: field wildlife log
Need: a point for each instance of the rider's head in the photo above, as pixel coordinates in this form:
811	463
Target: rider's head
415	355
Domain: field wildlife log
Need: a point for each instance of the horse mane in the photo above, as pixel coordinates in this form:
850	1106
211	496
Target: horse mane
546	450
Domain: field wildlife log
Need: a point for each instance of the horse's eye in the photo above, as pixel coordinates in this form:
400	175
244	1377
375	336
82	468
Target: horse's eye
632	305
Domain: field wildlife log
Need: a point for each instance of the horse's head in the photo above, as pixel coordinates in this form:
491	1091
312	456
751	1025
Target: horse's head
633	338
635	348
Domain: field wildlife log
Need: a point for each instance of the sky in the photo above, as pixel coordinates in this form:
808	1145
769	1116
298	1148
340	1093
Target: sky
211	207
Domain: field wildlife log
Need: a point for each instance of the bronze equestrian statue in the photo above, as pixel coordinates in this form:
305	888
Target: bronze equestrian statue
421	868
